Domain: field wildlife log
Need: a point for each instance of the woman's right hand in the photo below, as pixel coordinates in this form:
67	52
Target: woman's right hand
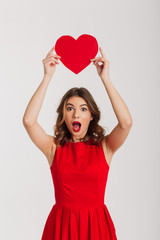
50	62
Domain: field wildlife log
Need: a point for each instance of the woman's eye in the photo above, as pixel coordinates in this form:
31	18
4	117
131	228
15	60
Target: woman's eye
71	107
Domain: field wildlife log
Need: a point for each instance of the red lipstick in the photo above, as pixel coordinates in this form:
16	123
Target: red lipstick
76	126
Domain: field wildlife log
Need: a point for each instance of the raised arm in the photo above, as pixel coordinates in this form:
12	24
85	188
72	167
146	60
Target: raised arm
120	132
37	134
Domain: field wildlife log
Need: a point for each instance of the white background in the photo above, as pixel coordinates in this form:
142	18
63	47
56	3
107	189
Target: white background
128	32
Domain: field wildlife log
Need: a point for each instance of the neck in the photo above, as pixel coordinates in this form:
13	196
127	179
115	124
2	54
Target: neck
76	140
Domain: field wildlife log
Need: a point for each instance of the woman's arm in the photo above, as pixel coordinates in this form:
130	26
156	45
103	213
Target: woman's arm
119	134
35	103
121	111
120	108
37	134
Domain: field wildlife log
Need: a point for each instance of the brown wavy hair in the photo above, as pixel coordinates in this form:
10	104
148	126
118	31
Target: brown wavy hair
95	131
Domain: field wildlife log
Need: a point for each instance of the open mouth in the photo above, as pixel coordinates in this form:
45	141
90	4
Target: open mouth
76	126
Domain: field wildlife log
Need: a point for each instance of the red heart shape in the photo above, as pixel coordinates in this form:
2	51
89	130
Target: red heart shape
76	54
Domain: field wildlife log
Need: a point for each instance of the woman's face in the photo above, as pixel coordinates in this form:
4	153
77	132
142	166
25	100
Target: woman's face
76	109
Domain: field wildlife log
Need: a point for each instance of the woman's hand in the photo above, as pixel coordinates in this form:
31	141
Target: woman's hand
103	69
50	62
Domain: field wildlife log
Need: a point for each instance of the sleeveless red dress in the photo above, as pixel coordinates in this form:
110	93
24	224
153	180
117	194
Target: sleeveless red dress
79	172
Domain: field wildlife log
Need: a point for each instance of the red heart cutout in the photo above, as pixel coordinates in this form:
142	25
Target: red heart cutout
76	54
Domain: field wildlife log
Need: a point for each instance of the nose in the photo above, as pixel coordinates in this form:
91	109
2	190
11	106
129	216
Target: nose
76	114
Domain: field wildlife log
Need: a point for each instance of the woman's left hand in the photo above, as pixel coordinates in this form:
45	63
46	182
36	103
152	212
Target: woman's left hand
103	69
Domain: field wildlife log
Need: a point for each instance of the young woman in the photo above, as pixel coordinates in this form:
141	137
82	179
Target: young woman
79	156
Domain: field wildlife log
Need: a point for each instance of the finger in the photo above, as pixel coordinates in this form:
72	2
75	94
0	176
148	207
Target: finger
54	55
50	52
94	59
103	54
56	61
57	56
99	59
50	60
96	64
52	49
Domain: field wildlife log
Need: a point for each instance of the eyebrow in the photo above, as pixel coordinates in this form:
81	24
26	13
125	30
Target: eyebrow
73	105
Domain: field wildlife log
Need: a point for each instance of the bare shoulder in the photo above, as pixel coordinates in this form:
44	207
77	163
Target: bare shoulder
107	151
51	152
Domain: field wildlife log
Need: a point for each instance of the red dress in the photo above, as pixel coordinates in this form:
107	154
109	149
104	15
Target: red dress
79	172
